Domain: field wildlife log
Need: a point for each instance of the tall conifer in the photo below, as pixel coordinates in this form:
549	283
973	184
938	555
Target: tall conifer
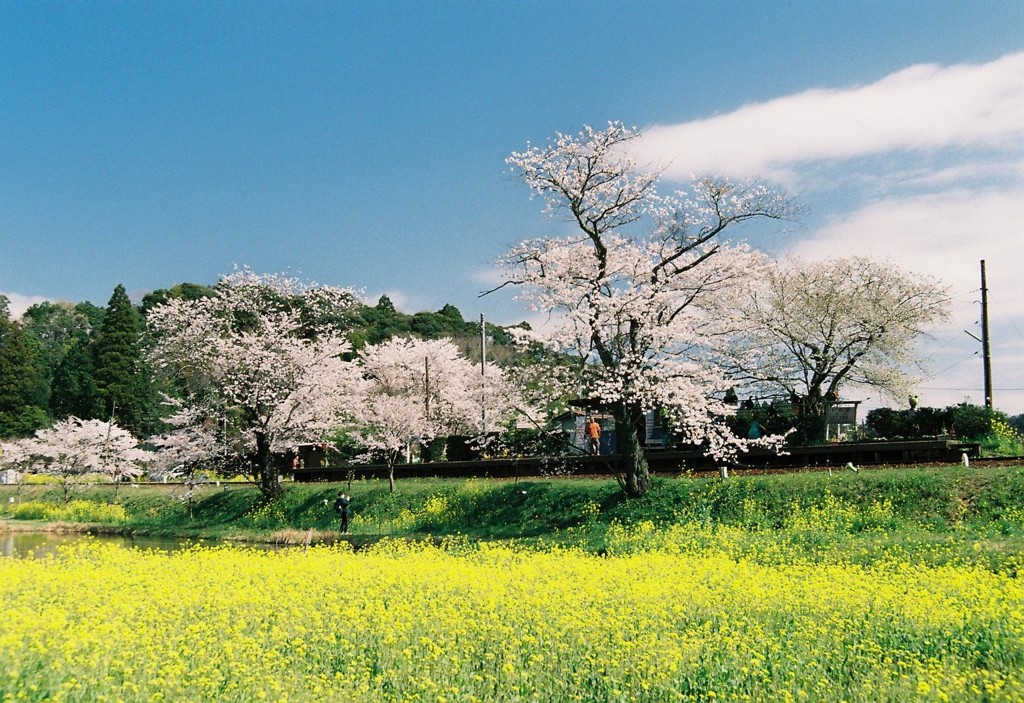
122	375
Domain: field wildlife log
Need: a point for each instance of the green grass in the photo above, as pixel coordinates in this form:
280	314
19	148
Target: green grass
949	514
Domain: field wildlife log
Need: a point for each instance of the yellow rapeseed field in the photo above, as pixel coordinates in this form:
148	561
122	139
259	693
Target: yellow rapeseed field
485	622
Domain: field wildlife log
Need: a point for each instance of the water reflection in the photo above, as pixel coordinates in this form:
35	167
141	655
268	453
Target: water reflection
39	544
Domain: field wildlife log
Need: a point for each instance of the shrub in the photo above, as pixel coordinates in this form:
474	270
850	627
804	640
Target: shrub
965	420
972	421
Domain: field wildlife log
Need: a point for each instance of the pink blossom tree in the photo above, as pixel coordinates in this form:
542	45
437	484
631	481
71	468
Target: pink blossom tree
73	447
192	445
414	390
259	362
16	457
642	287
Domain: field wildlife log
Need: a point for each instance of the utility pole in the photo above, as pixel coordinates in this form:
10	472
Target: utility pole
483	376
986	351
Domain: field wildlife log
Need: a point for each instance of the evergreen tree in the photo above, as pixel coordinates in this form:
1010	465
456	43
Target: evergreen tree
73	390
22	383
58	330
121	372
385	321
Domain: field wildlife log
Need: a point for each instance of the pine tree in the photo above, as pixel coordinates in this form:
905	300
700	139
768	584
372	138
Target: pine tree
121	372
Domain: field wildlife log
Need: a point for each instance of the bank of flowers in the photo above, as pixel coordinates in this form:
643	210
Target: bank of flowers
461	622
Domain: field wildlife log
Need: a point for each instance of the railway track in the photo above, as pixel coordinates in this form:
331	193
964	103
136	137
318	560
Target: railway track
668	462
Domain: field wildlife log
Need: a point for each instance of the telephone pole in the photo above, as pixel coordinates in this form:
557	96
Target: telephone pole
483	376
986	352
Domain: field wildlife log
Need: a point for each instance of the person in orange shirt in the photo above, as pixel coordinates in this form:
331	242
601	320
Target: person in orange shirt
593	432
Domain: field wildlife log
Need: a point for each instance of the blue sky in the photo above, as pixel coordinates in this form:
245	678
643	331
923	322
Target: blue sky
363	144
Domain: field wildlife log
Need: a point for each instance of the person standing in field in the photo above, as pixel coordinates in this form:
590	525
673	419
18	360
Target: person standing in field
593	433
341	505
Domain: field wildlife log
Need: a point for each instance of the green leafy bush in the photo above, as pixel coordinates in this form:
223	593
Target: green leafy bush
966	421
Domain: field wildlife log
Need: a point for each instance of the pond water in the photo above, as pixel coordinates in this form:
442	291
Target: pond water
39	544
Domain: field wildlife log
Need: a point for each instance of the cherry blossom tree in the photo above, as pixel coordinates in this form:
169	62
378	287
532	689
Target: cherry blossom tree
260	360
16	456
73	447
192	445
642	284
415	390
817	327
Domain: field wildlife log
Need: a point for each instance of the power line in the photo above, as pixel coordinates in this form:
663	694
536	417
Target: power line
940	388
1009	321
938	373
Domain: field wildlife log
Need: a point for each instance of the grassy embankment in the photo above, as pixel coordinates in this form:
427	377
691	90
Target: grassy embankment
973	515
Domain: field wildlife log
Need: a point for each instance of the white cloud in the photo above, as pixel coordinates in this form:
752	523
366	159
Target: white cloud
488	277
921	108
941	234
20	303
965	172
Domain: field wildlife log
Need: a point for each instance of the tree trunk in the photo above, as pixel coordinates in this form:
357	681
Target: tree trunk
638	477
392	456
265	471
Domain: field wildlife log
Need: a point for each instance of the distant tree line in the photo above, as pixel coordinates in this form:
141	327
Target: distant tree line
80	360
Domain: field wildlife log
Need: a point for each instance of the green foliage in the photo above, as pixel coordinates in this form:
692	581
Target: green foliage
383	321
183	291
23	388
938	514
73	388
973	421
121	370
774	417
23	421
892	424
1003	440
965	421
63	334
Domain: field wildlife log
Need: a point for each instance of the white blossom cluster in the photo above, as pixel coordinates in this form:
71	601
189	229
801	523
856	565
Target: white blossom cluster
73	448
414	390
823	325
258	373
644	290
263	369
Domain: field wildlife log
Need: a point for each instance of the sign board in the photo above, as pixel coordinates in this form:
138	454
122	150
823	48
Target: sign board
842	413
